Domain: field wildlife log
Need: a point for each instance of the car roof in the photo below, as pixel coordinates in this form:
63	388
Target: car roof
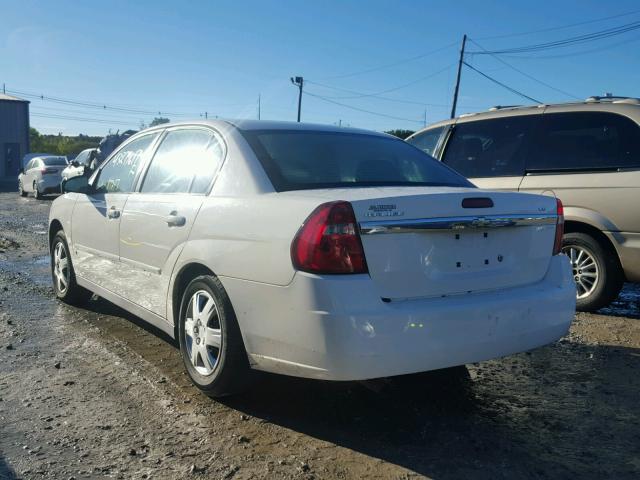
626	106
253	125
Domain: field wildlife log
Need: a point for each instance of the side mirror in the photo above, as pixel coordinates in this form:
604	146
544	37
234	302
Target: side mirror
75	163
77	185
21	171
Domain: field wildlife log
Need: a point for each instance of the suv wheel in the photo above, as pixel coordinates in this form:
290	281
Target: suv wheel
210	340
63	275
596	271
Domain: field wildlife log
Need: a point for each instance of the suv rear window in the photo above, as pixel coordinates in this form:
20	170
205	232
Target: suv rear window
585	141
299	160
490	148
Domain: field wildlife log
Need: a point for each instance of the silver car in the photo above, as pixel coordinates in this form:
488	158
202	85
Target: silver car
41	176
586	153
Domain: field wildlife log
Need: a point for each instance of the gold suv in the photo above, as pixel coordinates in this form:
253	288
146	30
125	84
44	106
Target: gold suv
587	154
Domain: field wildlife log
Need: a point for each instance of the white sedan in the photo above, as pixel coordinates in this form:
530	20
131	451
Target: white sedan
311	251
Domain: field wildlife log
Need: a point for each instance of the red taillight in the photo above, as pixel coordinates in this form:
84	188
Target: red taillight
329	242
46	171
557	245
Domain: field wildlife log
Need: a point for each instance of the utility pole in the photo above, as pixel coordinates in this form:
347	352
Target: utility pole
425	117
455	93
206	115
258	106
298	81
4	88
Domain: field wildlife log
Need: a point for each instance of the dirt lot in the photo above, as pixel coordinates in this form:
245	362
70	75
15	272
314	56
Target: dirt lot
94	392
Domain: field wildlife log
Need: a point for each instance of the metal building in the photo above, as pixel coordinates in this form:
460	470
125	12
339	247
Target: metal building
14	135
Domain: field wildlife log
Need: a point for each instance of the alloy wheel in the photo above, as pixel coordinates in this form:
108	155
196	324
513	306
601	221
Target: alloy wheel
203	332
61	271
585	269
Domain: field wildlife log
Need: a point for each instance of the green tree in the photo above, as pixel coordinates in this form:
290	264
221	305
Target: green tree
400	133
159	121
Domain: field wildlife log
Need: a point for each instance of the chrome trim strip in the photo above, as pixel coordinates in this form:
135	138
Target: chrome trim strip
455	223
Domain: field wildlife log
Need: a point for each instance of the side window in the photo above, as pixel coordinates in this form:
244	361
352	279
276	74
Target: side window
29	165
427	141
585	141
490	148
185	161
120	172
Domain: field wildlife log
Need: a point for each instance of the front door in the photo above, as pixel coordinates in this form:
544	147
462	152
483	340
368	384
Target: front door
11	159
95	225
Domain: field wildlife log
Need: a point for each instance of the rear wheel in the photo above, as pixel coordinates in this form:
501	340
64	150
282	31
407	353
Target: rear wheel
36	193
21	189
210	340
596	271
63	275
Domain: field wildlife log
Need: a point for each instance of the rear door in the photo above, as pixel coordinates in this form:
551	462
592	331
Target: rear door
157	220
95	223
491	153
589	160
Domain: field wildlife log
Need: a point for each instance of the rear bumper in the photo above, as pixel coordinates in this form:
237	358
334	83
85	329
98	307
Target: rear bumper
335	328
50	184
628	247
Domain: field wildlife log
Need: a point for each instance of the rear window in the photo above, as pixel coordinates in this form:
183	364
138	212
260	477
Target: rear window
299	160
55	161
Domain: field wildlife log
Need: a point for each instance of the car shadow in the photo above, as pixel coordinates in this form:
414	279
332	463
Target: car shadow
562	411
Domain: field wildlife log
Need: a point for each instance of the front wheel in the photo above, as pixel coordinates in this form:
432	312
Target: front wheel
210	340
596	271
63	275
21	189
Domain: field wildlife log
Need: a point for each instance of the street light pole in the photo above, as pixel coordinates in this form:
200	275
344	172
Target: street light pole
298	81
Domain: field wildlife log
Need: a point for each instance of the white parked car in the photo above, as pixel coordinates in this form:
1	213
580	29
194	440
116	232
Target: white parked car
310	251
41	176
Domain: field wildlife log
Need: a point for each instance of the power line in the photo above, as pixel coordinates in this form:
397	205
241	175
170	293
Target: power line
393	64
96	105
361	109
573	54
590	37
378	94
524	73
562	27
513	90
80	119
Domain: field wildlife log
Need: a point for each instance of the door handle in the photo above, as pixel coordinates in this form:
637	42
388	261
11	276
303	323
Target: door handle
175	220
113	212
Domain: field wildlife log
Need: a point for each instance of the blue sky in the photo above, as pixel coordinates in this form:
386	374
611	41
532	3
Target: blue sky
190	57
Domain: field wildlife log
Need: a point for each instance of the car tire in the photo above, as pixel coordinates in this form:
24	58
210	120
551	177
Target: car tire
21	190
36	193
210	340
62	272
596	270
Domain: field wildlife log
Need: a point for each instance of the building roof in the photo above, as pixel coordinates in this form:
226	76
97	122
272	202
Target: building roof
9	98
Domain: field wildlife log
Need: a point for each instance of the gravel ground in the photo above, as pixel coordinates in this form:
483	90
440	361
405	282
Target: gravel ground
96	393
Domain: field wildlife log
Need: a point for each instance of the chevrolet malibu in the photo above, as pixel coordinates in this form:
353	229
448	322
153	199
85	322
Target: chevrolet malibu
310	251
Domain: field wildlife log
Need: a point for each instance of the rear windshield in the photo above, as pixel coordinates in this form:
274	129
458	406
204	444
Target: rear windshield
300	160
54	161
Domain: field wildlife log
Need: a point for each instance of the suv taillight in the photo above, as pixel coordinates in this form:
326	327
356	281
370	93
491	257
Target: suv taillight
557	245
329	242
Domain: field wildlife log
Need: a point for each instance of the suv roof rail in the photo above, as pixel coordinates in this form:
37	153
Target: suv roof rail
501	107
613	99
